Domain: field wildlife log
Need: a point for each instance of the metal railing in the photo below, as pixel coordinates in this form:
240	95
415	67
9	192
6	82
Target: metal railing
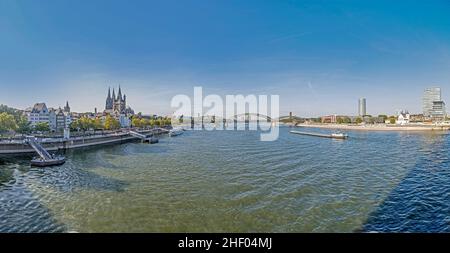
38	148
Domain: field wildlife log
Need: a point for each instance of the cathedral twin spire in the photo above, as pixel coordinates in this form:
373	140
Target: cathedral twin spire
119	95
117	104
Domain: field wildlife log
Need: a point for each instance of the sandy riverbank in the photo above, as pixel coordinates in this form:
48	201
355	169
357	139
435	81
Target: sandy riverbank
379	127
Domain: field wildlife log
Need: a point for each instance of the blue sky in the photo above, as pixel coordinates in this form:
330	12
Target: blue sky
319	56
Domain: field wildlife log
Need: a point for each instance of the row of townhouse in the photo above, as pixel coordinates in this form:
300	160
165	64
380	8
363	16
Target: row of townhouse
57	119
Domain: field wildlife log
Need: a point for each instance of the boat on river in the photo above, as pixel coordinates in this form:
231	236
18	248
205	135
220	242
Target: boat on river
338	135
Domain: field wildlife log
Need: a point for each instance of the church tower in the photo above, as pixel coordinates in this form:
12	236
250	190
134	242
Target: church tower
109	101
67	107
113	101
119	102
116	104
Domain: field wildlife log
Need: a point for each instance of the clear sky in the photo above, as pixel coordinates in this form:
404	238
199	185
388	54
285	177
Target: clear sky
319	56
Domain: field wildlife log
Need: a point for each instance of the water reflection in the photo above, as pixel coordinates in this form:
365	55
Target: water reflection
421	202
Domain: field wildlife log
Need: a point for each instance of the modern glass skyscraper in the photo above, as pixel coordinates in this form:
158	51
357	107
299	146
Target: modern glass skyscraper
362	107
438	112
429	96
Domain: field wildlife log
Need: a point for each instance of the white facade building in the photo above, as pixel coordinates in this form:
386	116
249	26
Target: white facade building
57	119
38	114
68	119
403	118
124	121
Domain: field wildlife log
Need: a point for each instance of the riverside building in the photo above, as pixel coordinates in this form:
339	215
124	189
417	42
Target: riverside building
438	111
57	119
429	96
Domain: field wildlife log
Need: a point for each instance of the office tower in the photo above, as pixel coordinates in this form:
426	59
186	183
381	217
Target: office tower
438	112
362	107
430	95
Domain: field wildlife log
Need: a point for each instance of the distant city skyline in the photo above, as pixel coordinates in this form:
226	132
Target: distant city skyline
319	56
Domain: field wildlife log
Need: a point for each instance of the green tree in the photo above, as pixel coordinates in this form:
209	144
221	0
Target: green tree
168	121
347	120
23	125
144	122
97	123
340	120
384	117
75	125
136	122
9	110
7	122
392	120
85	123
358	120
111	123
42	127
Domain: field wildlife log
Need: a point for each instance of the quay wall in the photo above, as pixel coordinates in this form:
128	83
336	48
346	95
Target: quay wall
60	144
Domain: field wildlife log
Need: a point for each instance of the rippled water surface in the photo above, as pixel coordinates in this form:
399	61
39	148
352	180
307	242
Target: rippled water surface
229	181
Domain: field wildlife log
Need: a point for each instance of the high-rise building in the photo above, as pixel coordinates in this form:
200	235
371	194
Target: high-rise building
362	107
438	112
430	95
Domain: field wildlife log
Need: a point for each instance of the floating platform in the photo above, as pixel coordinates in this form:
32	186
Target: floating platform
45	159
144	138
150	140
39	162
177	132
341	136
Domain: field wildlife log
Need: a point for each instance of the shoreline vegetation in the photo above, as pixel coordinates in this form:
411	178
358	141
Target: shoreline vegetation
376	127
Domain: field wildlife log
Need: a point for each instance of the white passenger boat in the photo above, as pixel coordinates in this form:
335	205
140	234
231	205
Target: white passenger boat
339	135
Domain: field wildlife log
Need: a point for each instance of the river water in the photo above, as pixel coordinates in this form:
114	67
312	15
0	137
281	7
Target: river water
229	181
